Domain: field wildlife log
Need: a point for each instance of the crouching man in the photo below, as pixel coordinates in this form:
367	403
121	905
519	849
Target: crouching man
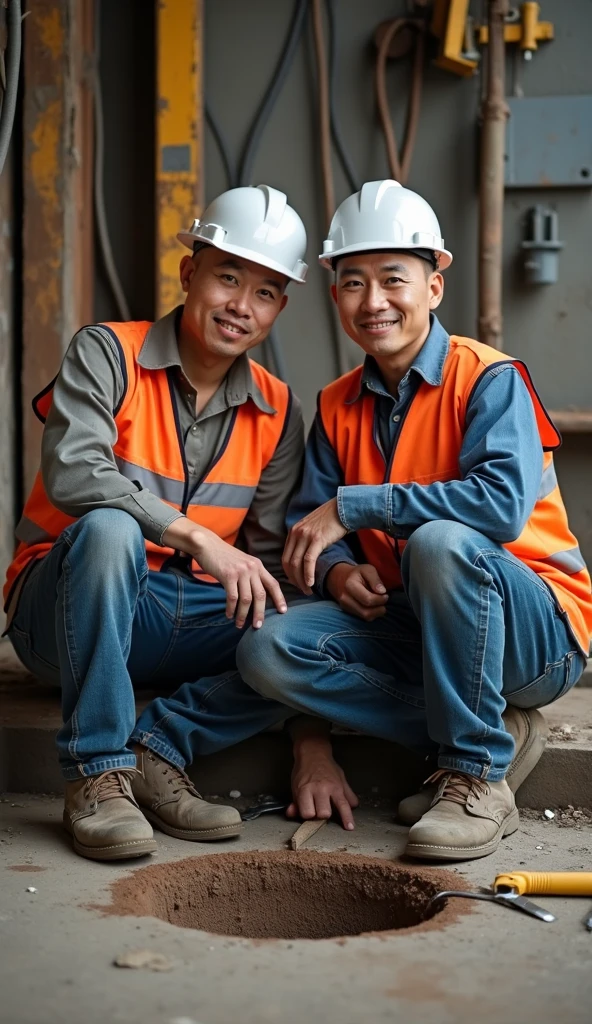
456	599
164	448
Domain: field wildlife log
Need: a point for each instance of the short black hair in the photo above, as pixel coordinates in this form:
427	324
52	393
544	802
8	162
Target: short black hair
427	255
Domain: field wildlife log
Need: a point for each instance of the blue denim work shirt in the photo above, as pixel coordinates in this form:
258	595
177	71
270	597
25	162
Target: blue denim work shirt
500	462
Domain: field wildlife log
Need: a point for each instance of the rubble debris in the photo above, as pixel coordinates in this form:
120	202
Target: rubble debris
305	831
235	794
31	888
565	817
144	958
549	815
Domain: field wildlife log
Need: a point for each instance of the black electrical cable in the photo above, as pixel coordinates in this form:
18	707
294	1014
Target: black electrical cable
13	62
223	148
272	92
344	157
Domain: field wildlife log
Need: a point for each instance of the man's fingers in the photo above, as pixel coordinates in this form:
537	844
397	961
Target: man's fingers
359	593
231	599
259	595
310	561
274	590
350	795
294	565
306	804
245	598
370	574
345	812
291	811
360	611
323	804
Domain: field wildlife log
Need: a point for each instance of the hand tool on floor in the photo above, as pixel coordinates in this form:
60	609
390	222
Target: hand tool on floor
305	831
555	883
551	883
266	805
510	899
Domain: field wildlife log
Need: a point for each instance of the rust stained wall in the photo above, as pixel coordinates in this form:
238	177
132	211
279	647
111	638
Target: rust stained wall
57	235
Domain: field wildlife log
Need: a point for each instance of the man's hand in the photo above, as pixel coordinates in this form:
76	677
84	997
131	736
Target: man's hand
319	784
307	540
244	578
358	589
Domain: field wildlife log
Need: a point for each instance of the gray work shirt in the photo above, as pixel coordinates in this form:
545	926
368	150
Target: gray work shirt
78	465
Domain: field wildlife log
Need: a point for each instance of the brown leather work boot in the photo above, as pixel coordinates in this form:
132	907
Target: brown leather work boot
104	819
468	819
529	730
171	802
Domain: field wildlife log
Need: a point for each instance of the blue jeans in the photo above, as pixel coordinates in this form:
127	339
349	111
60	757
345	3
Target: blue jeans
94	620
474	628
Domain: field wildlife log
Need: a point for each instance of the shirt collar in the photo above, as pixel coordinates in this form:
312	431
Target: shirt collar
160	351
428	363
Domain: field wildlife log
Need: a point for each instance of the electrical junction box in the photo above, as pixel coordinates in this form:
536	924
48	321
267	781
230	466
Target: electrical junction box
549	142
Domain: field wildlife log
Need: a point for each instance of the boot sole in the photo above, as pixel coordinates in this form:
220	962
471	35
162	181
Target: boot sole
116	851
531	752
427	851
199	835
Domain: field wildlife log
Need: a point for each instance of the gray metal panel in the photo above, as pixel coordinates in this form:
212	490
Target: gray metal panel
549	142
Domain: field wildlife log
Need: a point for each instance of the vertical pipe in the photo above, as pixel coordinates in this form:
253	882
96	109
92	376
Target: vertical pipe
491	208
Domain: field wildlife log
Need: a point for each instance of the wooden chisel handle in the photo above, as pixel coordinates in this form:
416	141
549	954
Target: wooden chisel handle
553	883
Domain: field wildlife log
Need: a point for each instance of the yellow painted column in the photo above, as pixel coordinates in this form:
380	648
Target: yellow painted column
179	133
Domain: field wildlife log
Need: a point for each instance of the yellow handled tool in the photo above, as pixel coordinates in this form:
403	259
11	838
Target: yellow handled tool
552	883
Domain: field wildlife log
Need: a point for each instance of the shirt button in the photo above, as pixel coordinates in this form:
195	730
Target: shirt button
194	428
396	418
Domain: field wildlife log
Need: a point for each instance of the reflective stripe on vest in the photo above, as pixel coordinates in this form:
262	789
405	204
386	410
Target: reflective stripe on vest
150	451
428	450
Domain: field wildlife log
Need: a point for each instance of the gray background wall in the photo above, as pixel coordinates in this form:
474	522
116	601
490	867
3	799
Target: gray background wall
550	327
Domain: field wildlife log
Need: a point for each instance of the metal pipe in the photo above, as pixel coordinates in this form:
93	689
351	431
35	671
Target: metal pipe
491	193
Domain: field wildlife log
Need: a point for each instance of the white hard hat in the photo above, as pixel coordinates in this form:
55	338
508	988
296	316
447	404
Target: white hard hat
257	224
384	215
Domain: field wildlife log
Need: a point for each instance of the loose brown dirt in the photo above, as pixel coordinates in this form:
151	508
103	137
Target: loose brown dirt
285	895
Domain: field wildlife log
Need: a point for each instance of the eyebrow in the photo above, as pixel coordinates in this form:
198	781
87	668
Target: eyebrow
235	265
397	267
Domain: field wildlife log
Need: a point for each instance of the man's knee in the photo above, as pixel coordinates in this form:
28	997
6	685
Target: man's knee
107	534
436	550
259	659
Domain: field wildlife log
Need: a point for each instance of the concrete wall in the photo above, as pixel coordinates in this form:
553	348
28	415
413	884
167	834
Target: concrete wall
549	326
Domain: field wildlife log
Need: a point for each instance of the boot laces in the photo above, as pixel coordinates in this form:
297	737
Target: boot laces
110	785
456	787
175	777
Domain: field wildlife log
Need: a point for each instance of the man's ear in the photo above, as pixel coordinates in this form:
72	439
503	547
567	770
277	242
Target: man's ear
283	302
186	271
436	287
334	292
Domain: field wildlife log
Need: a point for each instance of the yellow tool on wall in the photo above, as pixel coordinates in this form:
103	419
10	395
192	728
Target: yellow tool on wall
453	26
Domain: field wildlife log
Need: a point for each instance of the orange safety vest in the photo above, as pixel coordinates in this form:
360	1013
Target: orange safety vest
149	450
428	450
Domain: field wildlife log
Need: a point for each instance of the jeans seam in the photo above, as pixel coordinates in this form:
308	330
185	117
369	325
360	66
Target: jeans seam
517	564
482	633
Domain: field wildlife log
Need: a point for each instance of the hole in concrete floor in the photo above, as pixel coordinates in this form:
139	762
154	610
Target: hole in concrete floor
285	895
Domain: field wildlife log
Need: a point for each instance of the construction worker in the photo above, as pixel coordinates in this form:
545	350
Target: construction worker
156	526
431	524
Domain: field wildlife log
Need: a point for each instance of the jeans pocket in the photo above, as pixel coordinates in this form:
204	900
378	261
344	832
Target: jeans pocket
32	661
556	680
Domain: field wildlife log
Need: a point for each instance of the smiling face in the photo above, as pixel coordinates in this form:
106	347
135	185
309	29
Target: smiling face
231	303
384	301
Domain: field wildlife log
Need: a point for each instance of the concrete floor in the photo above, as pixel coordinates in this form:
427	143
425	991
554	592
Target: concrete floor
492	965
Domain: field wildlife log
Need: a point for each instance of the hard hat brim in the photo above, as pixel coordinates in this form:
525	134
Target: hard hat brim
326	260
189	239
